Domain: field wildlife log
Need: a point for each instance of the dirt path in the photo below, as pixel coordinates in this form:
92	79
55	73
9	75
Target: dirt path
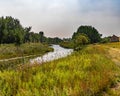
18	58
114	54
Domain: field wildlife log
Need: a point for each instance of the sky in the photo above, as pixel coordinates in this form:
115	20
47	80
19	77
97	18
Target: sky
61	18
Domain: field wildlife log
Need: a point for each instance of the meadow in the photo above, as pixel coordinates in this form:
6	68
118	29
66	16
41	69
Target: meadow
113	45
21	54
87	72
10	50
69	44
114	55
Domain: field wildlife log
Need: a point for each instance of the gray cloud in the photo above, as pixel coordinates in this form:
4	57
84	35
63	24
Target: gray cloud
62	18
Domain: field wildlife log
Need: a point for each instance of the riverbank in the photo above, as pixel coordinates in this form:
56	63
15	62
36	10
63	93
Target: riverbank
11	56
114	55
11	51
86	72
68	45
59	52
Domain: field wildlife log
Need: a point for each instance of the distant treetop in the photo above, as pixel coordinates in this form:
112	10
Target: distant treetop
92	33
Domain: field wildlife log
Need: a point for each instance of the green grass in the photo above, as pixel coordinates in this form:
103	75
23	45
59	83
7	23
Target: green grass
114	44
10	50
114	55
67	44
84	73
29	49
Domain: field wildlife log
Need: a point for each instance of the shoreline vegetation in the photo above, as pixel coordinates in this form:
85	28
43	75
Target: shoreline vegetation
11	51
85	72
91	70
11	56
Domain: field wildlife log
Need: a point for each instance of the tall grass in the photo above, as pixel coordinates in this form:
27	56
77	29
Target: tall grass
29	49
14	63
10	50
67	44
114	44
84	73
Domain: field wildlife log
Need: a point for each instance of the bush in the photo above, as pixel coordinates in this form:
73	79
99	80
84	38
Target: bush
79	41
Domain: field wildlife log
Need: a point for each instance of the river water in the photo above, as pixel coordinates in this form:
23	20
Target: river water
58	52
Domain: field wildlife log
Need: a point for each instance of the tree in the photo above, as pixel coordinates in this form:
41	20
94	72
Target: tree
54	40
41	34
9	27
1	29
80	40
18	40
27	34
91	33
105	40
11	31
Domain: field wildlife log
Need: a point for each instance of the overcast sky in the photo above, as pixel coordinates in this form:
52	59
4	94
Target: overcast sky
62	17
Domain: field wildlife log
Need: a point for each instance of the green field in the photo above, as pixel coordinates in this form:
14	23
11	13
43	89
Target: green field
113	45
10	50
84	73
11	56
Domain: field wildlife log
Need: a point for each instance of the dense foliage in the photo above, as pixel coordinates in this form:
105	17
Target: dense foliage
67	43
11	31
54	40
79	41
83	36
105	40
91	33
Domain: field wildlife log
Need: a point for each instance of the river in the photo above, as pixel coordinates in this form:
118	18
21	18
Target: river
58	52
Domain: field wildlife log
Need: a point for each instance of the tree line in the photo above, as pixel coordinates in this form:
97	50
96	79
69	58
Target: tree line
84	35
11	31
90	32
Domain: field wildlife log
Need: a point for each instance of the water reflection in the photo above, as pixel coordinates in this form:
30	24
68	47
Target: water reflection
58	52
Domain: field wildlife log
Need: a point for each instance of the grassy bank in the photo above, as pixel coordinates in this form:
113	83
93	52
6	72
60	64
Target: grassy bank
31	50
113	45
85	73
67	44
114	55
10	50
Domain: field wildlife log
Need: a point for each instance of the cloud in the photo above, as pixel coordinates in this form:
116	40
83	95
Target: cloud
63	17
